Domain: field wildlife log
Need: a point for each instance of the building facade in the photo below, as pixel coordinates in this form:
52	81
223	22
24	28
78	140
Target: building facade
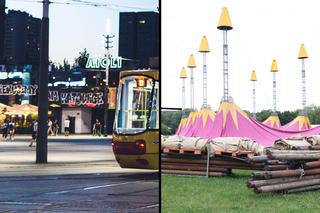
139	40
22	38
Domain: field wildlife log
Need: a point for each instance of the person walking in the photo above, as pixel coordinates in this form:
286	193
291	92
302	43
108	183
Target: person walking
66	126
12	128
34	132
55	127
5	129
98	127
50	130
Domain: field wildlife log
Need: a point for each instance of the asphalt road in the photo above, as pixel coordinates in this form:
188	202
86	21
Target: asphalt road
81	176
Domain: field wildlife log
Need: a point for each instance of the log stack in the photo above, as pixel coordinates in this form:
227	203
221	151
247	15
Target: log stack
288	171
202	165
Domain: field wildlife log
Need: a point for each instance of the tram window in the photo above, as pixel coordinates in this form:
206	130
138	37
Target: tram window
154	121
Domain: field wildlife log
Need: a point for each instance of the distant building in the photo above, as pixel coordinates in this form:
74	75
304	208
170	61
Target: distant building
22	38
2	27
139	39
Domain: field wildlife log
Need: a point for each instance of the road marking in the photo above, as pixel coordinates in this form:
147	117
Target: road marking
141	208
108	185
25	203
93	187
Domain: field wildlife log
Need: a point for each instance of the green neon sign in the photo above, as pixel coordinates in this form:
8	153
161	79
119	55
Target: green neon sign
97	63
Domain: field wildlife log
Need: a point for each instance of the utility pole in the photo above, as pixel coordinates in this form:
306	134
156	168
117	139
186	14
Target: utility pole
105	92
42	137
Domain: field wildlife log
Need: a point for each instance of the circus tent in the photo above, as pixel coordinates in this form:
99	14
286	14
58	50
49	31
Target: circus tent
231	121
273	121
301	122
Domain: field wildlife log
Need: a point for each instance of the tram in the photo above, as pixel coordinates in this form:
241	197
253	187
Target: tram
135	140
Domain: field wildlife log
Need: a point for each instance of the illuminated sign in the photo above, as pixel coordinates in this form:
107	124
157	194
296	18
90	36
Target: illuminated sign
18	89
76	98
5	75
112	97
98	63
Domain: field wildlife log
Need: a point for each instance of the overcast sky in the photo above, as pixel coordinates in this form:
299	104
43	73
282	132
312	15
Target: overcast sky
74	27
262	31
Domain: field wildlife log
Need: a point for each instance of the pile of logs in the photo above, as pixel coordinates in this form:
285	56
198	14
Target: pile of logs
203	165
287	171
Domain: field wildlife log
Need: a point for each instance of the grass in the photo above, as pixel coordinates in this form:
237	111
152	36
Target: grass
187	194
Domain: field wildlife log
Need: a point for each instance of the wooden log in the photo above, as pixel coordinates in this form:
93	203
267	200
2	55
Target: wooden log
286	186
183	160
258	183
292	156
257	159
284	173
275	167
212	174
311	164
303	189
192	168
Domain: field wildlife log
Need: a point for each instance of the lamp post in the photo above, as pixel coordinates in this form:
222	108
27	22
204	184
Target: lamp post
42	137
105	92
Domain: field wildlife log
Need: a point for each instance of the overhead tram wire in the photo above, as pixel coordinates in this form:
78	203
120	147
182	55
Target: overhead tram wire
90	3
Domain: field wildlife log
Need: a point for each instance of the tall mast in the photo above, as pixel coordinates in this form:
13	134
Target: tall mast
253	78
204	48
225	25
191	65
303	55
274	70
183	76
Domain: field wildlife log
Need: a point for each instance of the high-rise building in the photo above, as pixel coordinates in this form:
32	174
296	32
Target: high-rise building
139	39
22	38
2	24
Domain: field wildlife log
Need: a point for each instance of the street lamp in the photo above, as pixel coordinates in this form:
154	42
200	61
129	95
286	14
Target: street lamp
42	137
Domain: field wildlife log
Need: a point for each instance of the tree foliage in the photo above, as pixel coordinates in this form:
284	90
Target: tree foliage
82	59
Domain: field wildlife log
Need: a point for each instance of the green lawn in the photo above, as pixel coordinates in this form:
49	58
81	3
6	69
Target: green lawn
228	194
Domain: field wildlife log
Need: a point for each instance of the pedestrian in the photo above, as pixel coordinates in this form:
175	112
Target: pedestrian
34	132
98	127
94	131
12	128
5	129
55	127
50	130
66	126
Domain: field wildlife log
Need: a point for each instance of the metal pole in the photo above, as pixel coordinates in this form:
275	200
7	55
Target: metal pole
225	67
42	137
304	98
274	93
205	105
254	98
183	94
191	89
105	92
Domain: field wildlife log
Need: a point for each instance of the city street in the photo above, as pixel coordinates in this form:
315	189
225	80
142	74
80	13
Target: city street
81	175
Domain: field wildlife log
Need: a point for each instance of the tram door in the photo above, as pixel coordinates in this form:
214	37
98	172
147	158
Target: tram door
72	124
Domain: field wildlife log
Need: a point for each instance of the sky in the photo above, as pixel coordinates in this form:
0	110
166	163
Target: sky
262	31
75	27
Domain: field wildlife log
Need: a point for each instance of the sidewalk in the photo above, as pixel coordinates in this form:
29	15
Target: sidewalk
64	157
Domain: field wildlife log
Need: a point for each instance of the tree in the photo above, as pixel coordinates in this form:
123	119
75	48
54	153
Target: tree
66	65
82	59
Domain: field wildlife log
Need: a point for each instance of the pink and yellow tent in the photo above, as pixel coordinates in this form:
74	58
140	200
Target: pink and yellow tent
273	121
231	121
301	122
